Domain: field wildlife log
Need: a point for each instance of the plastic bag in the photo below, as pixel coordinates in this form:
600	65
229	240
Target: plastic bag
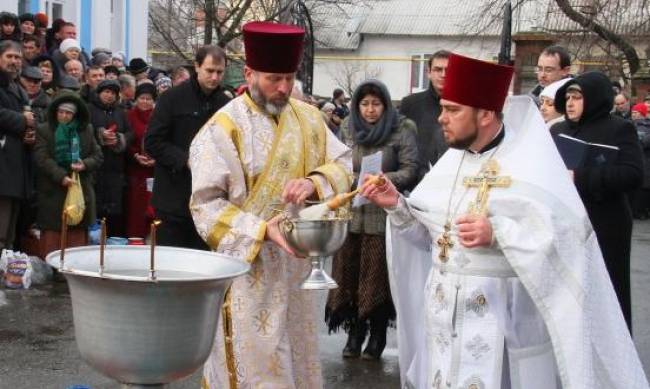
17	269
74	203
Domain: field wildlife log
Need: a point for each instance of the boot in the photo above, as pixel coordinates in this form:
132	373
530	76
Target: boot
356	337
377	340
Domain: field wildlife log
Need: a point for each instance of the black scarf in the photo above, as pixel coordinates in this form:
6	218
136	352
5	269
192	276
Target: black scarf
373	134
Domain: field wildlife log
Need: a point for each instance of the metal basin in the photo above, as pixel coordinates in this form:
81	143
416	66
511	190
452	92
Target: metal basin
315	238
140	331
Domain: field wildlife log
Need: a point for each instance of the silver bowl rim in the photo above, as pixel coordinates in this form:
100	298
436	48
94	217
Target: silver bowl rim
53	259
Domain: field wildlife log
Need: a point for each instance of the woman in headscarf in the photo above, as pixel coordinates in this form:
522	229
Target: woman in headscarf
65	143
547	103
139	165
604	179
360	268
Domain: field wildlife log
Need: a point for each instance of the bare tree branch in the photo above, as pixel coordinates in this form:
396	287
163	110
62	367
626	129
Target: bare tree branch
603	32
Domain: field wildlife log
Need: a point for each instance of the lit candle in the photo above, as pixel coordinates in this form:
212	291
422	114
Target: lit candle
152	272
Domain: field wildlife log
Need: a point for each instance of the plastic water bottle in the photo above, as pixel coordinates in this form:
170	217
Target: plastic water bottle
94	232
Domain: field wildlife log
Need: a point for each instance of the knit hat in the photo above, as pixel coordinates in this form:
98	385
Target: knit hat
163	81
137	66
70	107
112	69
27	17
100	58
641	108
146	88
68	44
41	19
108	84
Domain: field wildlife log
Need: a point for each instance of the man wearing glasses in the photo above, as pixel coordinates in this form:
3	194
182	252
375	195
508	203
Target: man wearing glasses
553	64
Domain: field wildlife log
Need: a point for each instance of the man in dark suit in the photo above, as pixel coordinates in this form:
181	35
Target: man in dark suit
424	108
179	114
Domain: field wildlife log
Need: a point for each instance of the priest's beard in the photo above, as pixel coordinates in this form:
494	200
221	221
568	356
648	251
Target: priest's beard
272	107
465	142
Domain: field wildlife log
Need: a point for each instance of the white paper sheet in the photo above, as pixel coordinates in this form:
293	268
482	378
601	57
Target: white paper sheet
370	164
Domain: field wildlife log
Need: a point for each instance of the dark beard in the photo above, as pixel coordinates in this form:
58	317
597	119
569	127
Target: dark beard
463	144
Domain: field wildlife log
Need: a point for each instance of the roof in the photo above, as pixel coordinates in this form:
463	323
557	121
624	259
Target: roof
342	26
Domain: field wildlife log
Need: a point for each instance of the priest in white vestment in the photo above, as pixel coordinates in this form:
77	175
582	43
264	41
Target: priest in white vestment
260	150
493	259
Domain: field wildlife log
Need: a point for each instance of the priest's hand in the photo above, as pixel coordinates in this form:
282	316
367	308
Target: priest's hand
384	195
274	234
298	190
474	231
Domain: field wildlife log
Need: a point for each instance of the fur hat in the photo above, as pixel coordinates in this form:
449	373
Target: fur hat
137	66
109	84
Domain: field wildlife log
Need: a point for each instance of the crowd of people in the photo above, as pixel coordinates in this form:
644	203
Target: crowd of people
132	135
67	111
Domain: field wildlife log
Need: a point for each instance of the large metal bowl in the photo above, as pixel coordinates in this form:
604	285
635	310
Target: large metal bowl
315	238
140	331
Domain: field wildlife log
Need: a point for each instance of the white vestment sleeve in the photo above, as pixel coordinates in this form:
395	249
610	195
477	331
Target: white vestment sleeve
409	263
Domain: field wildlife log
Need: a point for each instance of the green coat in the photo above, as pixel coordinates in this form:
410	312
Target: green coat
50	193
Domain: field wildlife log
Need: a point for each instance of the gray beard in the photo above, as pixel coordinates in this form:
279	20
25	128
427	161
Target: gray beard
264	104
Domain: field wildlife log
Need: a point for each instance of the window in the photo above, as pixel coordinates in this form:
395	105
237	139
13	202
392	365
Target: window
57	11
23	6
419	76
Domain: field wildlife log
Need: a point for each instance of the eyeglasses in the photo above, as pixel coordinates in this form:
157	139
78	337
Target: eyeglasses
546	70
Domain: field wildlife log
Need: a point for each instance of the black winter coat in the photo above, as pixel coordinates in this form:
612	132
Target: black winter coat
424	108
111	176
39	106
15	175
179	114
643	130
603	187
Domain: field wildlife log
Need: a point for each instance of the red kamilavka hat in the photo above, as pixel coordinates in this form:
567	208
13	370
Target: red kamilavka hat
478	84
273	47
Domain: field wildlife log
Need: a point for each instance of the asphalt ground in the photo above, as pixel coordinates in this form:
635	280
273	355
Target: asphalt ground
38	350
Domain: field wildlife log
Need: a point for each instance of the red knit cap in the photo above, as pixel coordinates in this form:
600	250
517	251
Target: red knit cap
641	108
478	84
42	19
272	47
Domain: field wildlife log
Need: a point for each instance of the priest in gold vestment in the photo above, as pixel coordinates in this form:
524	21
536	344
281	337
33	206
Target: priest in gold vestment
261	149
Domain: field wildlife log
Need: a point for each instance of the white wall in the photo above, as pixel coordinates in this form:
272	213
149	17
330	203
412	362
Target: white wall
390	56
9	6
138	28
101	25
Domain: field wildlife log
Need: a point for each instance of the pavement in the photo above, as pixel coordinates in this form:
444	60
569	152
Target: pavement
38	350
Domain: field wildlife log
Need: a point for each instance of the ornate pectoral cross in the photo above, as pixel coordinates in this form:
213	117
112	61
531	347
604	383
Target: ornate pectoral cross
445	243
486	179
